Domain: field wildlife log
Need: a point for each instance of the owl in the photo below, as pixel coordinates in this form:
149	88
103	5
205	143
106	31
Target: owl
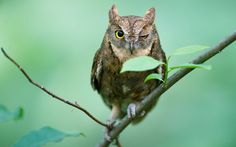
126	37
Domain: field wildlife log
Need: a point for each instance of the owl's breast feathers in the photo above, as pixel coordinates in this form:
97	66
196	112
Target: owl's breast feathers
111	84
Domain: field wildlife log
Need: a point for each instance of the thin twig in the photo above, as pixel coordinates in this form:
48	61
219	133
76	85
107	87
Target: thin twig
75	105
170	82
117	143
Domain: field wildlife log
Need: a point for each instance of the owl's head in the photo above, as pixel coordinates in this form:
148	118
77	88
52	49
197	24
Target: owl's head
131	36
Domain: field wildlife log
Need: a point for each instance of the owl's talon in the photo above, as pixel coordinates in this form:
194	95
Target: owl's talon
131	111
110	125
107	137
106	133
142	113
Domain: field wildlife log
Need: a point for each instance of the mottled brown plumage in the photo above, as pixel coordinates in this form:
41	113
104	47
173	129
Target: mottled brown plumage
122	91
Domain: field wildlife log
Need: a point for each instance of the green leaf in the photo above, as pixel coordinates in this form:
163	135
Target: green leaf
6	115
153	76
42	137
140	63
190	49
190	65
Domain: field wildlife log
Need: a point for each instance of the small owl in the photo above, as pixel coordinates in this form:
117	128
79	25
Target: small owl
126	37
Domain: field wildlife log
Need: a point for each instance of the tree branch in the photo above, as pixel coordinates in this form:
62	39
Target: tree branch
170	82
114	133
75	105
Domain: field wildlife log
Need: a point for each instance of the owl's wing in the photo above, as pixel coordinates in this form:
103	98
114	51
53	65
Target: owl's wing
96	71
158	54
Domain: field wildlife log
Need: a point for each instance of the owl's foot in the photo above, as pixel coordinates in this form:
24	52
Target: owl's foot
106	135
131	111
110	124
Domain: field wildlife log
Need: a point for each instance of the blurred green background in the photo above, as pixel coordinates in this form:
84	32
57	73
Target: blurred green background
55	41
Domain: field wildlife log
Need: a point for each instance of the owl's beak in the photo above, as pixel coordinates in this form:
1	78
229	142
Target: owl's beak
131	41
131	45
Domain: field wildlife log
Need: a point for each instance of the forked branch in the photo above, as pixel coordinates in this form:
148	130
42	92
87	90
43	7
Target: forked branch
114	133
75	105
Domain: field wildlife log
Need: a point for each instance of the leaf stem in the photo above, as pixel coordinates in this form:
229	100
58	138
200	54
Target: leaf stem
167	70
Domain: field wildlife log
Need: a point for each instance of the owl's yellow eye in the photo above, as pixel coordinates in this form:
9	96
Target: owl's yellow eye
119	34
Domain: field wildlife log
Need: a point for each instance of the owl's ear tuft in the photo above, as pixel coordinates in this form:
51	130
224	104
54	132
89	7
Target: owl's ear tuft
113	14
149	16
